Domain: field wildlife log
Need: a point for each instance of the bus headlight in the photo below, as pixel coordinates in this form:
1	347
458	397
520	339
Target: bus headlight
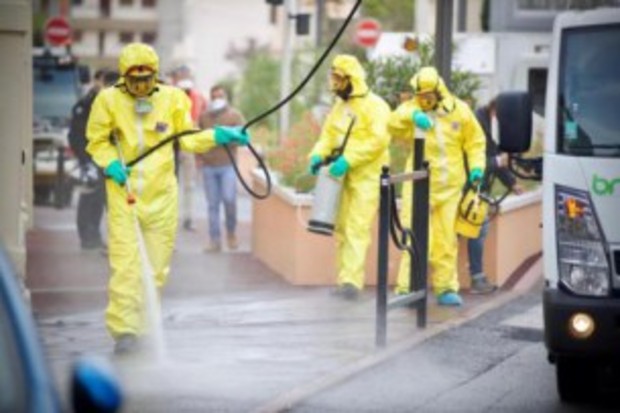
581	325
583	264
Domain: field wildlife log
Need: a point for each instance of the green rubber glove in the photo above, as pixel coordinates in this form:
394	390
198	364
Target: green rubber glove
315	164
117	172
475	176
231	134
421	120
339	167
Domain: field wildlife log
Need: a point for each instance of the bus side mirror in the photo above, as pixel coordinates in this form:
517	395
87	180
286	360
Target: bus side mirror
514	116
84	73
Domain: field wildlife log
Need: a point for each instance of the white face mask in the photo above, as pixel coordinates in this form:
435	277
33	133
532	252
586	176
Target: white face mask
217	104
143	106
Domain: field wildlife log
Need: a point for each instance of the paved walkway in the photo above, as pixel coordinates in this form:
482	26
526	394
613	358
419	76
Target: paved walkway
238	338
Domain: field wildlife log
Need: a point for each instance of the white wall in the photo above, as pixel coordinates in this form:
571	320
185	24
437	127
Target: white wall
112	43
15	128
135	11
88	9
88	46
212	26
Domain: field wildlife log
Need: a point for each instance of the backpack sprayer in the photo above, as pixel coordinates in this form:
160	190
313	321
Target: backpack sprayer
327	191
473	209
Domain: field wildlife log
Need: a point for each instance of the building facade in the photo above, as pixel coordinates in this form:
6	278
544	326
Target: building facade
102	27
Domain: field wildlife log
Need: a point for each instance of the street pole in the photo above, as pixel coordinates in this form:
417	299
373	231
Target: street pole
288	43
320	12
462	16
443	38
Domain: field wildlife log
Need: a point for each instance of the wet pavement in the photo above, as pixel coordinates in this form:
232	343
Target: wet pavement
238	337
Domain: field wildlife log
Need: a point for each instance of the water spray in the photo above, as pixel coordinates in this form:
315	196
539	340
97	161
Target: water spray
151	307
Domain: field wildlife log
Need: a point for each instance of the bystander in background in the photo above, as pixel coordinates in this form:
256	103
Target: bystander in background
218	173
497	167
91	183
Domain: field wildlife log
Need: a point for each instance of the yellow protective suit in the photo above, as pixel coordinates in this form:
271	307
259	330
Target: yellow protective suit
366	152
152	181
455	131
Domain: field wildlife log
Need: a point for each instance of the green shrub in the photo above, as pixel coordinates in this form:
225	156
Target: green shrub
259	88
389	77
290	157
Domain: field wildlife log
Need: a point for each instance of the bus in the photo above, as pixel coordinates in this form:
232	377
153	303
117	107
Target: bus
581	198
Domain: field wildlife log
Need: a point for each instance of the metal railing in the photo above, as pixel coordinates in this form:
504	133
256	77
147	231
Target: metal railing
413	241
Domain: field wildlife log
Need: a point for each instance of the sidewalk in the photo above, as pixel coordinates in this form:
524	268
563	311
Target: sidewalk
238	337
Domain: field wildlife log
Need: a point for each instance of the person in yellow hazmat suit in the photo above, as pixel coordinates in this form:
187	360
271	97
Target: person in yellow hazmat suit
450	129
138	112
359	166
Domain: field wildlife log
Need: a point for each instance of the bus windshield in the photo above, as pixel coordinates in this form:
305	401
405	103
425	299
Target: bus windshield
589	92
55	93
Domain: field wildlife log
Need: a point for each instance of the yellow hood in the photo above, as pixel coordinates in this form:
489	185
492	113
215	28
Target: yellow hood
351	67
427	80
137	54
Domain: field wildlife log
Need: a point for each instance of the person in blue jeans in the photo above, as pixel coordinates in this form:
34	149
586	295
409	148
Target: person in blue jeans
497	167
218	173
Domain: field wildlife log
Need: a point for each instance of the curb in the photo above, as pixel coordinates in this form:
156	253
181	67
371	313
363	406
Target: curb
289	399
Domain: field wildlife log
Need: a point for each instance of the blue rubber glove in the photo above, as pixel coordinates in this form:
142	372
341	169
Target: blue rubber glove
475	176
315	164
339	167
421	120
117	172
231	134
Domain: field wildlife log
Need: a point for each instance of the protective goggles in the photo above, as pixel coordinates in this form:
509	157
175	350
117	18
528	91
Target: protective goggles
140	81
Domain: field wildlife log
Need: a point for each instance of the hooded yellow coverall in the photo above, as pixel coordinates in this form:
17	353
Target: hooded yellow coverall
455	131
366	152
152	180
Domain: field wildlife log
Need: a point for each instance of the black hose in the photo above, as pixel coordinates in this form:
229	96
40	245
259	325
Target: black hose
311	73
245	185
167	140
400	235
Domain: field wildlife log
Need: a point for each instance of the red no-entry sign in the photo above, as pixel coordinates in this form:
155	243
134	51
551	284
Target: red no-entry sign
367	32
57	31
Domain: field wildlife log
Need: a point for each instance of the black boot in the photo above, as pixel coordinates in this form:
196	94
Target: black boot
346	291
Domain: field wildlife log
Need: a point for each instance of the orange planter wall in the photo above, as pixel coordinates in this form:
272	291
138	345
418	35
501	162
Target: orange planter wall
281	241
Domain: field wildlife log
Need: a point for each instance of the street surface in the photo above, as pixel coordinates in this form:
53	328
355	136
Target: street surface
241	339
496	363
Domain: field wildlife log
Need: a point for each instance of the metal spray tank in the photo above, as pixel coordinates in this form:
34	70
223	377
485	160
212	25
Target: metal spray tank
327	193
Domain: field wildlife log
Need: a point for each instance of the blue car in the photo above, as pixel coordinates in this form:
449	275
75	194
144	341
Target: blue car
26	384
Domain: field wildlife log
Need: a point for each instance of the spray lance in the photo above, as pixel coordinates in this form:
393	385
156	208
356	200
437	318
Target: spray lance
327	191
258	118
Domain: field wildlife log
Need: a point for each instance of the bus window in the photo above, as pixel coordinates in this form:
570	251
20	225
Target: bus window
589	92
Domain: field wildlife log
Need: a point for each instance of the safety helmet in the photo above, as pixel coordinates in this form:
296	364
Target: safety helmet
139	65
472	212
428	87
